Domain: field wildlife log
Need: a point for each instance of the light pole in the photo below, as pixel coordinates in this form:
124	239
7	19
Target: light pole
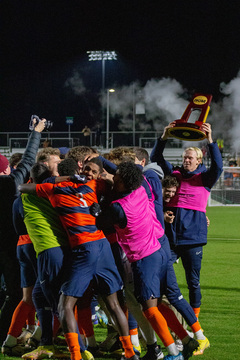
103	56
107	124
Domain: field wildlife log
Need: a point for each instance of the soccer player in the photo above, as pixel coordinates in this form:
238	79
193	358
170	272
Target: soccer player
189	227
139	231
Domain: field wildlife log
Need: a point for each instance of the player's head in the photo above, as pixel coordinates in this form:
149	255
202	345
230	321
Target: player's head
39	172
93	169
169	187
142	156
128	177
15	160
79	153
50	157
68	167
120	154
192	157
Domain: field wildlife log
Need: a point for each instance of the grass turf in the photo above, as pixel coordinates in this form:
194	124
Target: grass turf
220	311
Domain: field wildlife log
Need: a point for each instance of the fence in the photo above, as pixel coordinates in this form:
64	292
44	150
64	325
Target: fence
227	189
144	139
225	192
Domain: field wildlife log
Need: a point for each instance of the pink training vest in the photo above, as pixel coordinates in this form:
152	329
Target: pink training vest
140	237
191	193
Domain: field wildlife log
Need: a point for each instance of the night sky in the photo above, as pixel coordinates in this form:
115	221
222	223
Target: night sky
44	42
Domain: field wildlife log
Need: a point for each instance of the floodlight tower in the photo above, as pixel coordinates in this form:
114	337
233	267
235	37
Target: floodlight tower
108	111
102	56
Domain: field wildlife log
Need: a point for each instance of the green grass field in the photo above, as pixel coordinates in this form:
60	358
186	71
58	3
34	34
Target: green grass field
220	283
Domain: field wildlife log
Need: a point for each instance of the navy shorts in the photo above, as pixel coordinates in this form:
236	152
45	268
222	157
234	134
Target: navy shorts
149	276
28	264
92	261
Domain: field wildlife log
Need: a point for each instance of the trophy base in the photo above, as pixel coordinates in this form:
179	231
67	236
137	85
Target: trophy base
189	132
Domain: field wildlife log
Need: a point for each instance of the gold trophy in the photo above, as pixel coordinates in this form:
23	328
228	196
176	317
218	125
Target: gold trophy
188	131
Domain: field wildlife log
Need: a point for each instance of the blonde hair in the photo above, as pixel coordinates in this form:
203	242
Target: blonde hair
44	154
197	151
120	154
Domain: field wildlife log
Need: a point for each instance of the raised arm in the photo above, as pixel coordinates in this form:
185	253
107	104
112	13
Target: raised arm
21	173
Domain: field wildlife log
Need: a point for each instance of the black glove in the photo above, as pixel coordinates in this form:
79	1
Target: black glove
78	179
95	209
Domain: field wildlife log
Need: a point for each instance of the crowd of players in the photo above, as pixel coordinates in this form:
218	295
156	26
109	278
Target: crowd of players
106	227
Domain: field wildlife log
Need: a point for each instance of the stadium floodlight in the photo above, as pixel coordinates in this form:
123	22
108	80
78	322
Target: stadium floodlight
107	125
100	55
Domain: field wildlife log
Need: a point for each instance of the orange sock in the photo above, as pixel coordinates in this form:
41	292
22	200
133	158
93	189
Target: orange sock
127	346
19	318
172	321
159	325
31	317
56	325
196	311
73	345
84	320
133	331
195	327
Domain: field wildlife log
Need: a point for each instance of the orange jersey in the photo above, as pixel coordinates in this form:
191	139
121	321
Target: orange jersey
24	239
72	202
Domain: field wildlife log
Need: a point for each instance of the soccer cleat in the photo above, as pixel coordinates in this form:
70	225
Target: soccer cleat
32	344
16	350
25	335
86	355
137	349
102	318
154	352
134	357
109	342
203	344
189	348
42	352
95	351
112	345
174	357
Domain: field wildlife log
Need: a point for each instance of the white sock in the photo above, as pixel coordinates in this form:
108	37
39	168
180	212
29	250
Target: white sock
134	340
172	349
37	333
10	341
199	335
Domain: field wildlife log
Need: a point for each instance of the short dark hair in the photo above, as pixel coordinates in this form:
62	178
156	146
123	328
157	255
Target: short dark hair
67	167
131	175
40	172
141	154
96	161
15	159
169	181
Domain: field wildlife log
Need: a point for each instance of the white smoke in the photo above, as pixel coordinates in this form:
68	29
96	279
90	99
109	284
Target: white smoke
75	82
164	100
231	106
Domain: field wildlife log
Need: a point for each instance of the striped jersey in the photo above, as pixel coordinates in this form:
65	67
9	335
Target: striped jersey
72	202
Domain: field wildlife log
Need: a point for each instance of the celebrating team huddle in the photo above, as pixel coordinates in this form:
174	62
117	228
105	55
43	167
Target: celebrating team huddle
110	227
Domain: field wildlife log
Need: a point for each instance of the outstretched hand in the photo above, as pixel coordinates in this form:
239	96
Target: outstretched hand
166	134
40	126
206	127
